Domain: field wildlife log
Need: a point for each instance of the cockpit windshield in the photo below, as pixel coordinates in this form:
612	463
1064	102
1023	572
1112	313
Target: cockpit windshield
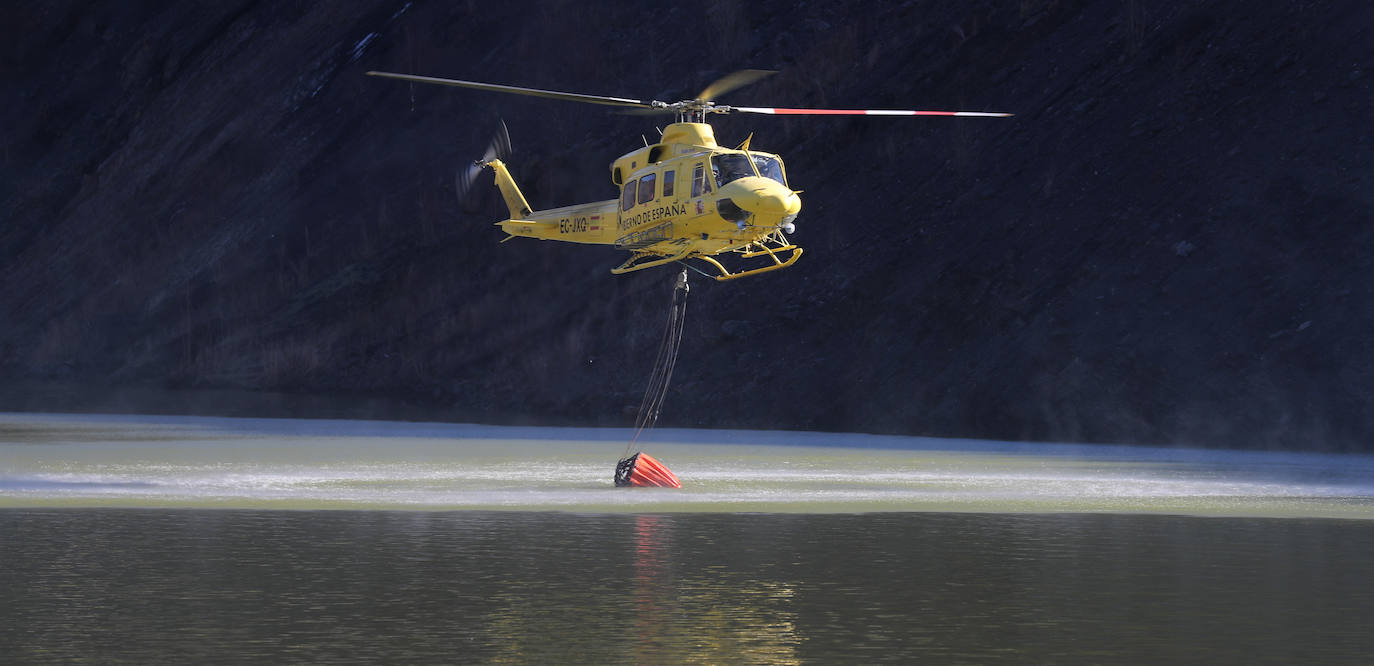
730	166
769	167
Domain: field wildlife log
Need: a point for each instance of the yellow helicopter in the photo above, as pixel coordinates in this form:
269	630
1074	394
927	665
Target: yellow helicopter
683	198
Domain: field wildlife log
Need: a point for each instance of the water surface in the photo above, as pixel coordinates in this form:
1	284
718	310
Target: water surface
244	586
103	461
206	540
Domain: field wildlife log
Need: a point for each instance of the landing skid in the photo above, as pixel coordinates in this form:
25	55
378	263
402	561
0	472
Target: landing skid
773	247
794	253
642	260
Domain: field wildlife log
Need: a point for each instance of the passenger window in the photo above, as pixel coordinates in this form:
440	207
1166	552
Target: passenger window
668	177
646	188
628	201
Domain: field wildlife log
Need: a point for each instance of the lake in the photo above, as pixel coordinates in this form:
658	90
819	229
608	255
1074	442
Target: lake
184	539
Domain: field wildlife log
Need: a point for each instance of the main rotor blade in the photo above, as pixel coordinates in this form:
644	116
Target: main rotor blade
864	112
731	81
532	92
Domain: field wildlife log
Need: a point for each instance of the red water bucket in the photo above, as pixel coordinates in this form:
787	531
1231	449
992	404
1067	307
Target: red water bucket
641	469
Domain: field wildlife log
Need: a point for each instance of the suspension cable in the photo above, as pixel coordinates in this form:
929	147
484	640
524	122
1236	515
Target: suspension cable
657	389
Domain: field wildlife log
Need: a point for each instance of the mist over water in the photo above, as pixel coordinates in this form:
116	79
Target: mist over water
139	461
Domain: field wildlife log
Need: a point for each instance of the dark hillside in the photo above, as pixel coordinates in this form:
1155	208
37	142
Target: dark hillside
1170	242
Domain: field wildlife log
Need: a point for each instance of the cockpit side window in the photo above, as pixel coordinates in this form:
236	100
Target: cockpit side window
628	200
731	166
769	167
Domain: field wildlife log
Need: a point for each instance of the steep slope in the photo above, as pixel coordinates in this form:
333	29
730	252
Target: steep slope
1168	243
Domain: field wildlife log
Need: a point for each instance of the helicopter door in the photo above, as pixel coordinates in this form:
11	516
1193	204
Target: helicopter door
700	185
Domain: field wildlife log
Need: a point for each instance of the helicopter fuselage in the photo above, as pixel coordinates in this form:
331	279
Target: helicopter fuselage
682	198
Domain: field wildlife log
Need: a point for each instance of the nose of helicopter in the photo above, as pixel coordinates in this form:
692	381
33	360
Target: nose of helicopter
763	196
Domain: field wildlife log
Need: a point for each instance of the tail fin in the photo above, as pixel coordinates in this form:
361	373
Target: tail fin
515	201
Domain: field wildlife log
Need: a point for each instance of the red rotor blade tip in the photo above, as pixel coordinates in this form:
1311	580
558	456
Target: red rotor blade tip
864	112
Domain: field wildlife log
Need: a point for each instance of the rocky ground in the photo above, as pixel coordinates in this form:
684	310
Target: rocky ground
1169	243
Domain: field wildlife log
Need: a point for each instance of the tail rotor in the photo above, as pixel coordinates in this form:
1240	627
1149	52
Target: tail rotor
466	177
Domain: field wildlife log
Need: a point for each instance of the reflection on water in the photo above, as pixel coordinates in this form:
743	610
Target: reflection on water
651	588
735	618
194	586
